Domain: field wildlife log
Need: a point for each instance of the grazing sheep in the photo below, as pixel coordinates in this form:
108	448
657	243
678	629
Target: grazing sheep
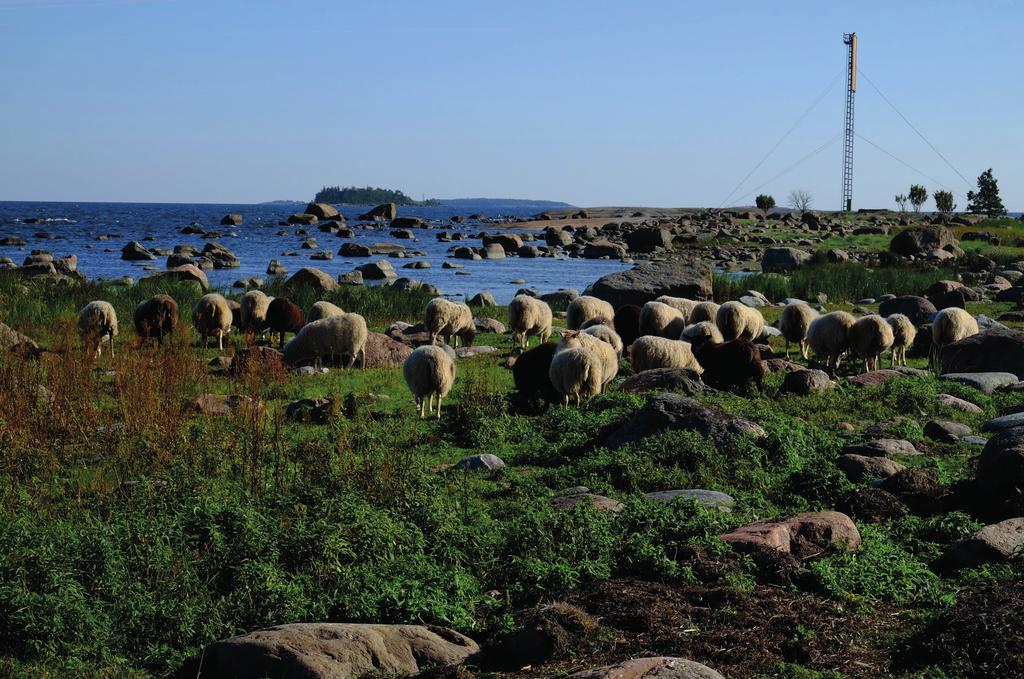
156	317
603	350
530	373
342	336
731	365
584	308
661	320
97	321
650	352
236	314
429	371
903	334
701	333
828	336
576	372
253	311
212	317
323	310
529	316
449	321
796	318
870	336
951	325
627	323
703	311
606	334
284	316
684	305
739	321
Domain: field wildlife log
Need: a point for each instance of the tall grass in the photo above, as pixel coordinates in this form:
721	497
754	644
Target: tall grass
840	282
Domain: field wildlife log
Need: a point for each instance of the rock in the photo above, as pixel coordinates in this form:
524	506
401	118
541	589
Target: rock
781	260
384	352
335	651
596	249
882	447
987	382
995	543
136	252
322	211
711	499
806	382
303	218
689	278
12	340
493	251
463	252
804	535
661	667
276	268
781	365
477	462
351	249
403	234
222	404
945	431
648	239
183	273
474	351
867	468
1000	474
599	503
489	325
354	277
250	282
309	410
874	378
379	270
556	236
221	256
752	301
664	379
560	299
871	504
312	278
387	211
509	242
918	487
917	309
671	412
231	220
994	350
924	241
960	404
12	241
1004	422
406	223
419	264
482	299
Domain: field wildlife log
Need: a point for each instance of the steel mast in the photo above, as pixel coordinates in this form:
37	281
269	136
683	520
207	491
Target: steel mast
850	40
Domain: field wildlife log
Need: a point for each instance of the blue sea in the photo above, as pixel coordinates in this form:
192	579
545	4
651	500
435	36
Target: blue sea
75	228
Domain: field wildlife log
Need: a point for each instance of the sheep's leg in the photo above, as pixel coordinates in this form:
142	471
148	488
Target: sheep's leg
787	349
220	341
803	349
112	355
439	406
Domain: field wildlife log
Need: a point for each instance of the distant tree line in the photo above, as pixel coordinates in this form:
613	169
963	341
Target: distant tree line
984	201
366	195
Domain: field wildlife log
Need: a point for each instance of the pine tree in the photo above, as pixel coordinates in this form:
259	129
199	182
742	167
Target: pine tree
986	200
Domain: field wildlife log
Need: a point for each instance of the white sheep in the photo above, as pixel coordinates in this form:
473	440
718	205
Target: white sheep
698	334
870	336
529	316
323	309
703	311
584	308
97	321
661	320
429	371
684	305
603	350
650	352
739	321
903	334
212	317
951	325
828	336
606	334
576	372
343	336
448	321
252	311
796	318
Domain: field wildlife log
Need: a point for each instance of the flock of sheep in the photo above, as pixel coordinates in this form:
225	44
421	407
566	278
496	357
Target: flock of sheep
716	341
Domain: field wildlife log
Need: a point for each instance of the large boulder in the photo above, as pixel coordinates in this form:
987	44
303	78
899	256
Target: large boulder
303	218
651	668
336	651
221	256
672	412
925	241
351	249
231	220
313	278
596	249
384	352
509	242
995	543
918	309
690	278
12	340
649	239
804	535
377	271
1000	474
996	350
781	260
664	379
806	382
322	211
183	273
386	211
136	252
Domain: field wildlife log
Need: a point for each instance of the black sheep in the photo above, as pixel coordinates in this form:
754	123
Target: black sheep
731	364
284	316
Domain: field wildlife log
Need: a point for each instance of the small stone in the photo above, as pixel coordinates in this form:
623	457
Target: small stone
712	499
960	404
475	462
867	468
807	382
882	448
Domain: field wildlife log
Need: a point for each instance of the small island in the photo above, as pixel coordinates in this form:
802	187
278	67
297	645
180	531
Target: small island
366	195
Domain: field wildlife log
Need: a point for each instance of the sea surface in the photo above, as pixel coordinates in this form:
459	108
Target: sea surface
76	228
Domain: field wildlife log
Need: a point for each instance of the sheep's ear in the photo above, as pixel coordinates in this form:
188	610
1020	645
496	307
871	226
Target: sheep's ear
564	333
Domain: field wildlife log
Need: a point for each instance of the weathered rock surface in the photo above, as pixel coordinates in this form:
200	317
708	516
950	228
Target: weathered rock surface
647	280
671	412
804	535
882	447
995	350
664	379
995	543
866	468
597	502
987	382
1000	474
314	278
651	668
712	499
783	259
918	309
806	382
384	352
477	462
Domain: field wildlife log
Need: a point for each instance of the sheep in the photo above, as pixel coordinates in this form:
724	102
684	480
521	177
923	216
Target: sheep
429	371
253	311
703	311
97	321
903	333
283	316
828	336
731	364
603	350
156	317
322	310
700	333
951	325
627	323
606	334
662	320
739	321
343	336
449	321
576	372
795	319
650	352
870	336
212	317
529	316
684	305
583	308
530	372
236	314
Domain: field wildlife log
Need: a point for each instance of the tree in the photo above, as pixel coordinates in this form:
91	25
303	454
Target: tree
764	203
901	200
986	201
944	202
917	196
800	199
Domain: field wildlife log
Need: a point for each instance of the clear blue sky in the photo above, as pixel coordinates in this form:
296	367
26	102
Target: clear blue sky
597	103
